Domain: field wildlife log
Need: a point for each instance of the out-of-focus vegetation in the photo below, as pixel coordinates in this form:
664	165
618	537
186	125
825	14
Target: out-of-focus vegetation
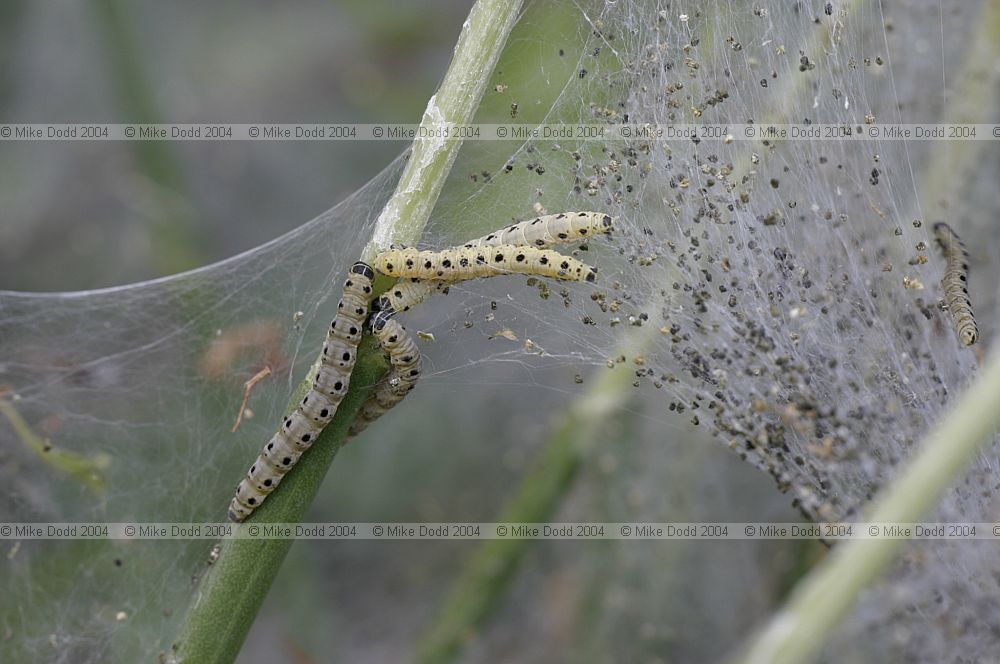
80	215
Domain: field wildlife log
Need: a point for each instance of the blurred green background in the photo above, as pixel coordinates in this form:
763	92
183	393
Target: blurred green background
93	214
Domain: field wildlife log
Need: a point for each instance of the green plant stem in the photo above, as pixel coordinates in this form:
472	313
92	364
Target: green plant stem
485	578
231	593
88	470
479	46
797	632
224	607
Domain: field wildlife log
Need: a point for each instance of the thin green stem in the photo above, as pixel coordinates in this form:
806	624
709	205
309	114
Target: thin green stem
479	46
224	607
797	632
88	470
486	576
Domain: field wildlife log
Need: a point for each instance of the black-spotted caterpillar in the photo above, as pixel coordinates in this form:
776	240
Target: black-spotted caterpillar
539	233
404	358
466	263
518	249
300	429
543	232
955	283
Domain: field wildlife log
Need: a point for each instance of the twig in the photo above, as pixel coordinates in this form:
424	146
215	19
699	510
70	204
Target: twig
88	470
797	632
247	389
486	576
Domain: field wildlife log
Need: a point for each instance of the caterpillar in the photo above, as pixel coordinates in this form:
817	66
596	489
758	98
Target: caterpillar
955	283
543	232
404	356
407	293
301	428
474	262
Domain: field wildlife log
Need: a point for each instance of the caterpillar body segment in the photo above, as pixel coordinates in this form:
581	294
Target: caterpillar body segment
300	429
404	358
406	294
955	283
543	232
465	263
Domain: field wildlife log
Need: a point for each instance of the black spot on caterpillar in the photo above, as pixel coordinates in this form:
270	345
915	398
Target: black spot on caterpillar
300	429
475	262
404	356
955	283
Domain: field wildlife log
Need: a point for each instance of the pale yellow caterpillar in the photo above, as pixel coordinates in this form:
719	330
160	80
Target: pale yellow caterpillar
540	232
543	232
474	262
408	293
955	283
300	429
404	356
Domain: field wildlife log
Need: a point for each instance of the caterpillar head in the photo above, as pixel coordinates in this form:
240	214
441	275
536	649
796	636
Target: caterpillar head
364	269
380	319
968	335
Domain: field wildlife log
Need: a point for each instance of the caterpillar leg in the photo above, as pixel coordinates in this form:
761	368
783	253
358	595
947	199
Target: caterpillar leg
301	428
404	358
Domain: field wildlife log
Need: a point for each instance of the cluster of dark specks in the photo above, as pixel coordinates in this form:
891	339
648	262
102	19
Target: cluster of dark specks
760	300
793	310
